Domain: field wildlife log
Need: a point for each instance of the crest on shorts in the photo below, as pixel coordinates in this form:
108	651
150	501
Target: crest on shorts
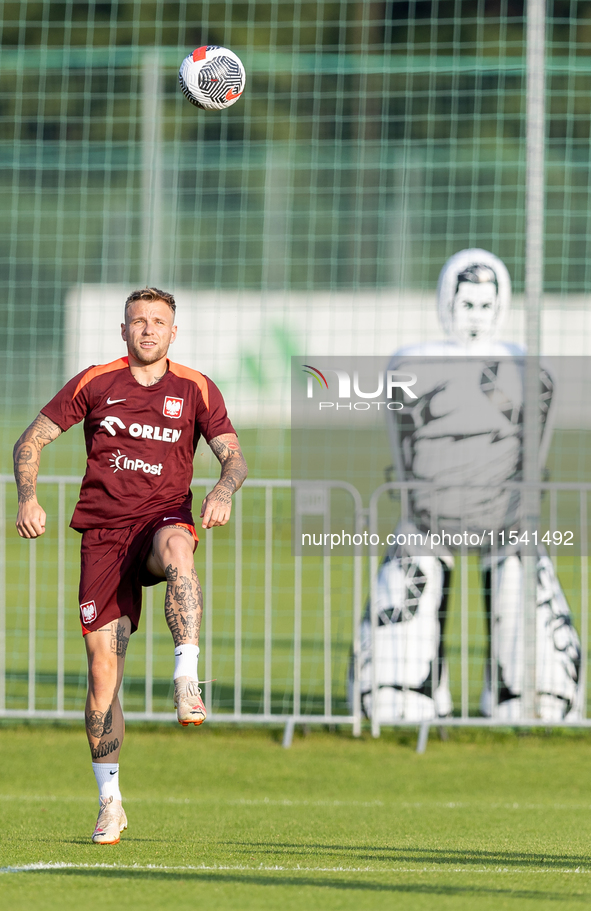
173	406
88	612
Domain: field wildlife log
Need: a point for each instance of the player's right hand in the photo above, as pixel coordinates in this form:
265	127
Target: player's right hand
30	521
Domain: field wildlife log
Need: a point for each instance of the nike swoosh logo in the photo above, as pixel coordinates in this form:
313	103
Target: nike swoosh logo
114	401
112	773
232	94
165	518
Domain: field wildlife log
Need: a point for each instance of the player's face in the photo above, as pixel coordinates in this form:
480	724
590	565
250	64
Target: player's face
474	310
148	330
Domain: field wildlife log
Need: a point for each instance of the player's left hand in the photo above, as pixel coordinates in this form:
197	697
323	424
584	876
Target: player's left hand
216	508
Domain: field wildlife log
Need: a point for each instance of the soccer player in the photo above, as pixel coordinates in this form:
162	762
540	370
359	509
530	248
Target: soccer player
464	434
143	417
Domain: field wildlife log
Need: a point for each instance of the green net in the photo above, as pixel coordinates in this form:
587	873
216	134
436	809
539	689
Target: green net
374	140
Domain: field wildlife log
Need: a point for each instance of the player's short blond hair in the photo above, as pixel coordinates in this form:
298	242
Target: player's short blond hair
151	294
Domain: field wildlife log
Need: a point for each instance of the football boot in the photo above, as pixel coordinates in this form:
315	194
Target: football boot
188	702
110	823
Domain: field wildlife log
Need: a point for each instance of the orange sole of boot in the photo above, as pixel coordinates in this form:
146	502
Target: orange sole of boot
186	724
110	842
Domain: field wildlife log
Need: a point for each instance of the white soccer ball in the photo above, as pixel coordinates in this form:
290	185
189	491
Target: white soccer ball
212	77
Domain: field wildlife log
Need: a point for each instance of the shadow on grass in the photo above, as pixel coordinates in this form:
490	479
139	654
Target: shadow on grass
412	855
248	878
323	853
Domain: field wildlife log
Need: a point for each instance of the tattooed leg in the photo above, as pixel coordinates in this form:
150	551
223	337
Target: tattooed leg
183	606
172	558
105	727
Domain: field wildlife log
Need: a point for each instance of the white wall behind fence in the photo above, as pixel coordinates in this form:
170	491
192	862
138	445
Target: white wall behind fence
243	340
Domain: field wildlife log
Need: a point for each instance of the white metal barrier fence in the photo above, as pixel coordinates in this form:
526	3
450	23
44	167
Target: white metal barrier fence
296	602
293	600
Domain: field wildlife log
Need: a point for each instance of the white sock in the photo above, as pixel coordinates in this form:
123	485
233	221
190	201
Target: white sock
185	661
107	778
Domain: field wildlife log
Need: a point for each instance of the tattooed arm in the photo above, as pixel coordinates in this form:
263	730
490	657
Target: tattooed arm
217	505
30	521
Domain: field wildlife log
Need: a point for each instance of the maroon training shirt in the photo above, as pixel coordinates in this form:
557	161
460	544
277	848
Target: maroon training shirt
140	440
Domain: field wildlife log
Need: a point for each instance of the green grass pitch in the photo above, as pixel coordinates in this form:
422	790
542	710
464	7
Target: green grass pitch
223	819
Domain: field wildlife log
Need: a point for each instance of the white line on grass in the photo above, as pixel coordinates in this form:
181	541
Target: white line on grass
287	802
445	805
57	865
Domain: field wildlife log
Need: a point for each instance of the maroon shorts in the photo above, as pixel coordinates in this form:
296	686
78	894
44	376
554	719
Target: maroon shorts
113	569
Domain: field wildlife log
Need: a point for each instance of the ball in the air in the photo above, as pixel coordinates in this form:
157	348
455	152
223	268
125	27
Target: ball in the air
212	77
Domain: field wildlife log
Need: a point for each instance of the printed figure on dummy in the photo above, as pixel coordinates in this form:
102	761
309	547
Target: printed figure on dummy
465	428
